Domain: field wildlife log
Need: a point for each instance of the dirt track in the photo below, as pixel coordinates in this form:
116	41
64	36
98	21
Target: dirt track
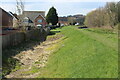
33	60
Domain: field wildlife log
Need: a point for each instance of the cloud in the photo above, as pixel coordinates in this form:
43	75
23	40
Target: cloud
64	7
82	0
8	7
60	0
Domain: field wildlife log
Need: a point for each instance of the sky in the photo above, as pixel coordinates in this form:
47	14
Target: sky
63	7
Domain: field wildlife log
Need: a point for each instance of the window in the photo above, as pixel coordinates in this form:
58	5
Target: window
40	20
26	21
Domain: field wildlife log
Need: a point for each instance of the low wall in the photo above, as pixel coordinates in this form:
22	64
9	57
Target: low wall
19	37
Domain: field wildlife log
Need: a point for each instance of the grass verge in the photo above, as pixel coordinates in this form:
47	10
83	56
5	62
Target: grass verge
86	54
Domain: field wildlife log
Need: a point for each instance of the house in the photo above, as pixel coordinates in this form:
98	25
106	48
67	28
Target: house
34	18
63	20
6	18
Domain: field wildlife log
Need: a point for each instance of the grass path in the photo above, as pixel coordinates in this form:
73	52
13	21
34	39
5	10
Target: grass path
109	40
85	54
71	53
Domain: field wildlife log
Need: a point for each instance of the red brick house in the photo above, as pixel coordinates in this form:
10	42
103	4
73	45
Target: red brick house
36	17
40	20
6	18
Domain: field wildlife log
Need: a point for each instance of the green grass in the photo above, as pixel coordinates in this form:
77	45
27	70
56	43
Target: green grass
87	53
32	70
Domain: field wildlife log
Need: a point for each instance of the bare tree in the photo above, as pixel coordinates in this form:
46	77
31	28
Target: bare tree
20	6
112	12
105	16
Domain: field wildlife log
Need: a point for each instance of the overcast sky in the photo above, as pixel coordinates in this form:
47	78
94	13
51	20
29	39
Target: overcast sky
64	7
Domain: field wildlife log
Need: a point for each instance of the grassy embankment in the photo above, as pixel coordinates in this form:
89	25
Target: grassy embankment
86	53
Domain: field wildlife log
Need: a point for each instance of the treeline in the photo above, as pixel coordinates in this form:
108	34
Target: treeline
109	15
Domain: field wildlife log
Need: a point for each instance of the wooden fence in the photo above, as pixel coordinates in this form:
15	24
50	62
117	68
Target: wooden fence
19	37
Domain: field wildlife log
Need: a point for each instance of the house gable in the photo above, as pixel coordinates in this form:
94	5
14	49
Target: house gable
33	14
40	20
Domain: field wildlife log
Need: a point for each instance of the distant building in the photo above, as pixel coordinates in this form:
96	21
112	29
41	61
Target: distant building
34	18
63	20
6	18
79	18
78	15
